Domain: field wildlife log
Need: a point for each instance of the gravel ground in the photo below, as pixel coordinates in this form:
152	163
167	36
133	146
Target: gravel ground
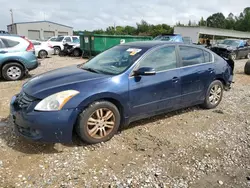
187	148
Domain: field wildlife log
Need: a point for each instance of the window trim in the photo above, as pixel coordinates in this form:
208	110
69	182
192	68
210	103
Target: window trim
180	59
137	64
3	45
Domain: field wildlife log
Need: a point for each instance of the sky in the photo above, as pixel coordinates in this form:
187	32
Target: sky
99	14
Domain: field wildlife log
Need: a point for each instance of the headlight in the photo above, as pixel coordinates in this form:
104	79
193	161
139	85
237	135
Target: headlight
56	101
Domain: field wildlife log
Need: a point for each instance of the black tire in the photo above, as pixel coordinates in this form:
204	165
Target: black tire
248	56
233	56
209	104
247	68
42	54
77	53
19	69
57	50
82	127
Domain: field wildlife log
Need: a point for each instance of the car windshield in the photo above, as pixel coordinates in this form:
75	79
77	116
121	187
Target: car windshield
231	42
59	39
115	60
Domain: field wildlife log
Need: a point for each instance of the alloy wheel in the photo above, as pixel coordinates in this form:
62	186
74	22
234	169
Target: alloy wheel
101	123
14	72
215	94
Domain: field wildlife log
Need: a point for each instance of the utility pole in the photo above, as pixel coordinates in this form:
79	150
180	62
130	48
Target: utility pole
11	14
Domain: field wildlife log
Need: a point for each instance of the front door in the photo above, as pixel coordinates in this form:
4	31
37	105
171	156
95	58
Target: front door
150	94
196	73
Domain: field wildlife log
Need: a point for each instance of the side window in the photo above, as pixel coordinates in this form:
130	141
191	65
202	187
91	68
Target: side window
191	56
161	59
67	39
208	56
9	43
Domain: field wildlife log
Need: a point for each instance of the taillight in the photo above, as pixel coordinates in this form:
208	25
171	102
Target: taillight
31	47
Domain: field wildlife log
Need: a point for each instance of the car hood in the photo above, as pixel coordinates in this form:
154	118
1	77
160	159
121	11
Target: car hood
223	46
61	79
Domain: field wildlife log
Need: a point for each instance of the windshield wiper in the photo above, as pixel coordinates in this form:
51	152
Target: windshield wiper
90	70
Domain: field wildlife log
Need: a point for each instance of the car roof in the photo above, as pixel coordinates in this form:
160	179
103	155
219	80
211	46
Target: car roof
152	44
9	35
149	44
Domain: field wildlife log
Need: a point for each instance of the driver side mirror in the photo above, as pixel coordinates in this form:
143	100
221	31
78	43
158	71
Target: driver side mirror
145	71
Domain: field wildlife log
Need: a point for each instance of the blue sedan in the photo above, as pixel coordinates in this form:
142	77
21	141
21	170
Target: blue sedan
126	83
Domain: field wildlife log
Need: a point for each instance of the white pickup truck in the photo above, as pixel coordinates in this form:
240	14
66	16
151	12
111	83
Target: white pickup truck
60	41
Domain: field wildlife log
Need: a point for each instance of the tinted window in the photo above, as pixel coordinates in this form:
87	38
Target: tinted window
67	39
191	56
36	43
161	59
10	43
208	57
59	39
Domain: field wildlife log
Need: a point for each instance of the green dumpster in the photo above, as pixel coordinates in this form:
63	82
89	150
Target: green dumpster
93	44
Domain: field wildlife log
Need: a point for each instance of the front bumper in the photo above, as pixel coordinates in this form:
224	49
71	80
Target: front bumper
54	127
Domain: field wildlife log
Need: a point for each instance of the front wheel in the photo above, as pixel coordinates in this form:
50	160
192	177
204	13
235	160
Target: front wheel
57	50
98	123
76	53
213	95
233	56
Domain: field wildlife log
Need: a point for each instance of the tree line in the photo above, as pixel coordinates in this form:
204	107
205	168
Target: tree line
217	20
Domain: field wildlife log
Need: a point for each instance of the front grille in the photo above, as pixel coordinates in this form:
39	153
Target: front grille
23	100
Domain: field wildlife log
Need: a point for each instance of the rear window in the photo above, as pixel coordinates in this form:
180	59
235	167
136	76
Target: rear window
191	56
9	43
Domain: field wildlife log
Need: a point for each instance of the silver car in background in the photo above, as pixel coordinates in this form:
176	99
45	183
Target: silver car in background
43	49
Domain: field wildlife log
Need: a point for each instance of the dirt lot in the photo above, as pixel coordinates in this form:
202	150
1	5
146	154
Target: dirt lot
188	148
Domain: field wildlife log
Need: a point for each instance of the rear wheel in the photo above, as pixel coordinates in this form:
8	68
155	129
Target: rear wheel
42	54
214	95
13	71
98	123
247	68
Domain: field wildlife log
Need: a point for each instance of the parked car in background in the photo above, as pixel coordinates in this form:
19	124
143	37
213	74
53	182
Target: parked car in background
169	37
60	41
128	82
17	57
43	49
232	48
71	49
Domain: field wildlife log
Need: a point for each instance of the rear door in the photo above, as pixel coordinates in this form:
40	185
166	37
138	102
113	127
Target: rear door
197	72
149	94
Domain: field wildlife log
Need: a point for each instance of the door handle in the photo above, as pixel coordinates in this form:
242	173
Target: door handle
175	79
3	52
210	70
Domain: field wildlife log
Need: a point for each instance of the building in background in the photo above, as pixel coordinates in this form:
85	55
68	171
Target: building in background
39	30
197	33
